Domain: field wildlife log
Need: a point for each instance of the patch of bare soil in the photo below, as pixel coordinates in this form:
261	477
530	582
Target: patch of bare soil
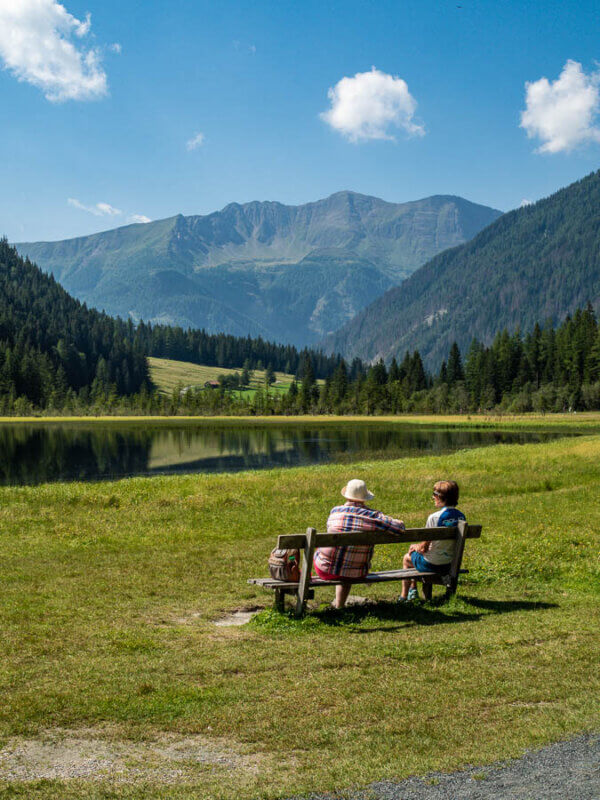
87	754
236	618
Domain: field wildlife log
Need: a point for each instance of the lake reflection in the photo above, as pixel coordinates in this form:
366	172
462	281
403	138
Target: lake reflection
95	451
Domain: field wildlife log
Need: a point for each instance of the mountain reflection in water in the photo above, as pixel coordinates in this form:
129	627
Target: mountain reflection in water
33	453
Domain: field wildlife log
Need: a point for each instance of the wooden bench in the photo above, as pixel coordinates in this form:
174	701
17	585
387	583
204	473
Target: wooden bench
309	541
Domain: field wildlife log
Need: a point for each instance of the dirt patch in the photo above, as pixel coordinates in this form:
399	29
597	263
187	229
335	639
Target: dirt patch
356	600
235	619
87	754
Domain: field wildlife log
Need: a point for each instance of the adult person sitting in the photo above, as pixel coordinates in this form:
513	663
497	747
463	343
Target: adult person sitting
434	556
351	561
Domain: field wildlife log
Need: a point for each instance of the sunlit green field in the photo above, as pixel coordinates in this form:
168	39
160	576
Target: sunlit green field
110	593
584	421
168	375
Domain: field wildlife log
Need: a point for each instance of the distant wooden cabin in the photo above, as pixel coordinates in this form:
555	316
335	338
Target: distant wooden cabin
211	384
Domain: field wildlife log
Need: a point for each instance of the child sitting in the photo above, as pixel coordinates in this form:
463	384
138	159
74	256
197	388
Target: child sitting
434	556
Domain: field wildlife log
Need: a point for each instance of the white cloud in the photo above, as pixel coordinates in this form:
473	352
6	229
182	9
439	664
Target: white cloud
106	210
98	210
525	202
196	141
243	47
369	104
116	48
563	113
36	44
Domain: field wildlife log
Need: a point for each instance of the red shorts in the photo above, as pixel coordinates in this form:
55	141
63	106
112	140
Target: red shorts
327	576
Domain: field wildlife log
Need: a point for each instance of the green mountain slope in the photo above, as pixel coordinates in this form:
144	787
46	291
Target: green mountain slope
535	263
292	273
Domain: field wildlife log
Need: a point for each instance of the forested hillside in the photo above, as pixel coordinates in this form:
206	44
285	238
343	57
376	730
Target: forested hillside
286	273
52	346
535	263
223	350
56	353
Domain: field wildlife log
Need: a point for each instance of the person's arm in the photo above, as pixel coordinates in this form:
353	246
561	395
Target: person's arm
386	523
423	547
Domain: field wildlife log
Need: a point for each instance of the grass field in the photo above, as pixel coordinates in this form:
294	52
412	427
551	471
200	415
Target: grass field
167	375
110	593
585	421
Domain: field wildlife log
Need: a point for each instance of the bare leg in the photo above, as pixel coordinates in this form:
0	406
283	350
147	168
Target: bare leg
341	594
407	584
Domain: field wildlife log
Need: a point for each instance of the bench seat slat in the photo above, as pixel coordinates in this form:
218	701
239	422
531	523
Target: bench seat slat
297	540
372	577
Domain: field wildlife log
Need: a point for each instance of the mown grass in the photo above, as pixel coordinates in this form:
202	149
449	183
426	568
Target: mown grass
110	592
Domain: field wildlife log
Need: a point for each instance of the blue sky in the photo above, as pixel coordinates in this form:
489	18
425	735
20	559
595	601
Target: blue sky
252	82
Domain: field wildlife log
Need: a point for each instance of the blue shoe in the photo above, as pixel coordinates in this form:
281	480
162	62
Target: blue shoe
413	594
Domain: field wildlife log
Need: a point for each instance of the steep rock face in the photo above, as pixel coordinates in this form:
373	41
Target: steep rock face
291	273
534	263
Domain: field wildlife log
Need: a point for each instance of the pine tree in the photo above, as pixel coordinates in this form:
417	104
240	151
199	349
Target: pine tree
455	368
308	384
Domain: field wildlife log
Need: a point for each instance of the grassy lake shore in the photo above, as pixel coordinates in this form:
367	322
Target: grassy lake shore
582	420
111	592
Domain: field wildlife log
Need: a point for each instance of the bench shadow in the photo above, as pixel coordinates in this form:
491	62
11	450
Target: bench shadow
435	612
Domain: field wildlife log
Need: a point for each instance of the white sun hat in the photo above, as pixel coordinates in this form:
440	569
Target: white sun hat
357	490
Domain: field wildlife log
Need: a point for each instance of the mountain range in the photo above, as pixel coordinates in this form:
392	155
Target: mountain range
536	263
287	273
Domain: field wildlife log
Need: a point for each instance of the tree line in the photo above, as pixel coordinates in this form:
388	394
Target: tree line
550	369
227	351
58	355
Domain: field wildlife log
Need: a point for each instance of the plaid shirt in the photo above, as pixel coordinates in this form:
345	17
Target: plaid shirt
352	561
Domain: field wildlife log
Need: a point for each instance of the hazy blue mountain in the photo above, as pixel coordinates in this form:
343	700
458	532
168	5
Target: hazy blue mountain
291	273
535	263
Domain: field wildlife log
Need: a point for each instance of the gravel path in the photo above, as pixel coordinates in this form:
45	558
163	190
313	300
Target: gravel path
562	771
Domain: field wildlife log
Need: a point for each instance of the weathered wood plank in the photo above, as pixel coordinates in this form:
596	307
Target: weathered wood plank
298	540
427	589
372	577
461	535
279	598
305	575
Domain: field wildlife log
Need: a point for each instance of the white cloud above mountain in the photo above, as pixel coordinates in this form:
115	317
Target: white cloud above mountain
98	210
563	114
39	45
106	210
370	105
195	142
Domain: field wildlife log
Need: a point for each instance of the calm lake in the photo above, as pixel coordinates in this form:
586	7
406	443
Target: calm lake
38	453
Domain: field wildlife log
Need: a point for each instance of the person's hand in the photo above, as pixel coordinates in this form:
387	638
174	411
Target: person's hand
412	548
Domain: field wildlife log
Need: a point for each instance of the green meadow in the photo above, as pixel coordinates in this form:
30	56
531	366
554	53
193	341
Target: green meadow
111	593
168	375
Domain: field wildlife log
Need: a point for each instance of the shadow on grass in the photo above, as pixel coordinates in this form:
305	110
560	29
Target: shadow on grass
366	618
437	612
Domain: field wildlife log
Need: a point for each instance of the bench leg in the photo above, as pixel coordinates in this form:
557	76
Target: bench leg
427	590
304	585
279	599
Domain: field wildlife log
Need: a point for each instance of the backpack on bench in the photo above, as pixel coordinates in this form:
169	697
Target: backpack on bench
284	565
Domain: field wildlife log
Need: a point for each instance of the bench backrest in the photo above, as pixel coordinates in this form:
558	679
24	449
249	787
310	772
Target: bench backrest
300	540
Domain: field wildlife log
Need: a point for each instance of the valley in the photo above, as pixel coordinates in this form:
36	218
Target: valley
286	273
